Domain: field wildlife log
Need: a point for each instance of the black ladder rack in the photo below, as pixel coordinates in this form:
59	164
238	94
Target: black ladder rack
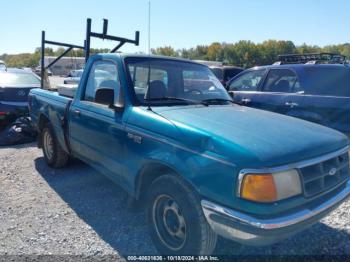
86	47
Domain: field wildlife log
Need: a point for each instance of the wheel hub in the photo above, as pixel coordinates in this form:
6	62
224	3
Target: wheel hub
48	145
169	222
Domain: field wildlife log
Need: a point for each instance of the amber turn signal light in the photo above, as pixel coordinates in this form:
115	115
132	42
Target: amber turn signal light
259	188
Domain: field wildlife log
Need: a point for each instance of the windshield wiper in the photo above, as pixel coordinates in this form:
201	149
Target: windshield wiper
169	98
215	100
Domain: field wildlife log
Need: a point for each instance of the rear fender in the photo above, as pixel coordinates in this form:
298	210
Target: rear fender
57	127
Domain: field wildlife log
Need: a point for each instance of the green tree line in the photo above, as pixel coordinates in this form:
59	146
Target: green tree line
243	53
248	54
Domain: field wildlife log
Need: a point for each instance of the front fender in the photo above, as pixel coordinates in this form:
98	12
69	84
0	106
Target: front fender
210	177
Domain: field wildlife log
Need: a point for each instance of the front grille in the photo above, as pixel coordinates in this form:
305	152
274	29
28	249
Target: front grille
326	175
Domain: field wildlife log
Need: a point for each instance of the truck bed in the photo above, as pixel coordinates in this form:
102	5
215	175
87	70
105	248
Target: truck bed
67	90
50	105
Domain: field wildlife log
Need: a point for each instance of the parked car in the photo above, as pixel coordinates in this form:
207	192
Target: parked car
315	92
2	66
38	71
27	69
73	77
15	85
203	165
225	73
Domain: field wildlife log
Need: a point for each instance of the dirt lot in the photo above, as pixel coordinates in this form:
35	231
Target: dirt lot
76	211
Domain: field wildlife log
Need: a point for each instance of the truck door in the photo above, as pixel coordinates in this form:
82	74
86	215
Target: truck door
97	131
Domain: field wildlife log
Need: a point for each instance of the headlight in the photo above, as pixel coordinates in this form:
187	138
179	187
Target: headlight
270	187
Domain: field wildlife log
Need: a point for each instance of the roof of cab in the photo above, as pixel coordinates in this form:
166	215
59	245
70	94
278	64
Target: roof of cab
125	55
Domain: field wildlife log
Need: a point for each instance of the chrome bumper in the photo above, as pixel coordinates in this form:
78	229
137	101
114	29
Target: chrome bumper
247	229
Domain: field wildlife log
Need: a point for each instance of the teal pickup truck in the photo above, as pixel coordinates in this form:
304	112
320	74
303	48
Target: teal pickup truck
167	131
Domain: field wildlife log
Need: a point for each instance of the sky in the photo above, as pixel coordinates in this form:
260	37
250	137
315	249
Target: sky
176	23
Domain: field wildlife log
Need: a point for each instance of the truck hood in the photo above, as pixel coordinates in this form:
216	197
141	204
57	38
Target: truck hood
252	137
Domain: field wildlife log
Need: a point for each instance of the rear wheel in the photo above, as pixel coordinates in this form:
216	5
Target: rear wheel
54	155
176	220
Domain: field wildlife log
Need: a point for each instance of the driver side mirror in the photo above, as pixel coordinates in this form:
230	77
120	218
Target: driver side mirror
105	96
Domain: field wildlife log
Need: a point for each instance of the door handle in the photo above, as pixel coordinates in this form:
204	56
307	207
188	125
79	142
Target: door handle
76	112
246	100
291	104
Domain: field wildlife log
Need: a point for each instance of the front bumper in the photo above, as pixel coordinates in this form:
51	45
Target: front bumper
249	230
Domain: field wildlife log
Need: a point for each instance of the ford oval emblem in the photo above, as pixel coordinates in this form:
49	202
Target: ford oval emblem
21	93
332	172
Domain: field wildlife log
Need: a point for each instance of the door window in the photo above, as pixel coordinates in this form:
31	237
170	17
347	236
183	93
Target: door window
248	82
328	81
282	81
103	86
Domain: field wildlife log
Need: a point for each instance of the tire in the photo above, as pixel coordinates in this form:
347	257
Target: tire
54	155
176	220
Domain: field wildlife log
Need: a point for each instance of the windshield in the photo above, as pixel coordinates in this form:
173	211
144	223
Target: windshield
10	79
175	79
2	66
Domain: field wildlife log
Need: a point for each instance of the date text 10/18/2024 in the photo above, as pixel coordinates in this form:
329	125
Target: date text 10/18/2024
172	258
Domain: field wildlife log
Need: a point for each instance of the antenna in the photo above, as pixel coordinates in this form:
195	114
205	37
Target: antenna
149	54
149	27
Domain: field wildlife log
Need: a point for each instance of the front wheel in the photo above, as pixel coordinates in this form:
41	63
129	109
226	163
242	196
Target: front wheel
176	220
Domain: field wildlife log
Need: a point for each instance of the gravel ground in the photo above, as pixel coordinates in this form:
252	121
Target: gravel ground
77	211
